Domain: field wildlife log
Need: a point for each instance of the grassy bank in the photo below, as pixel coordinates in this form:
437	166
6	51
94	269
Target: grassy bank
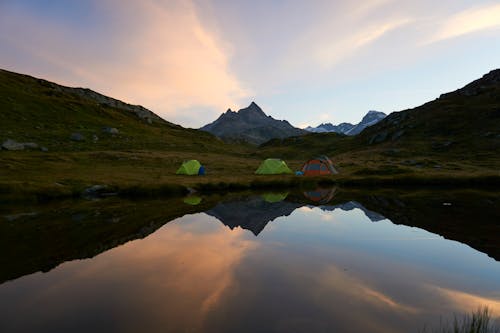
52	175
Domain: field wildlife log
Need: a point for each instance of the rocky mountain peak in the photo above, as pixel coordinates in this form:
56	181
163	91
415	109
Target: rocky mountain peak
250	124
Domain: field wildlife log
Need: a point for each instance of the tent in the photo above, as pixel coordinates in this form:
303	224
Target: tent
192	200
320	196
191	167
274	197
272	166
319	166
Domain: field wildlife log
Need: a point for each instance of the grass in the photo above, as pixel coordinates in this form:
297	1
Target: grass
479	321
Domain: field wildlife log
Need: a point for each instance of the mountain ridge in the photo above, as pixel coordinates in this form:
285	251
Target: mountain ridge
370	118
250	124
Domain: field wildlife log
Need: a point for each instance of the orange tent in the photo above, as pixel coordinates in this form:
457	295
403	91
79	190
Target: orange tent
319	166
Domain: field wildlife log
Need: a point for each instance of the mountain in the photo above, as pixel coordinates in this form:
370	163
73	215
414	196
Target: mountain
458	131
371	118
250	124
466	120
341	128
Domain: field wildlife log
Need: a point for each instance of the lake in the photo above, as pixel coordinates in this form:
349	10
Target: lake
323	260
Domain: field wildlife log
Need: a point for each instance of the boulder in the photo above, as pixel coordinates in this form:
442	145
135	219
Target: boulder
77	137
110	130
30	145
94	191
12	145
379	137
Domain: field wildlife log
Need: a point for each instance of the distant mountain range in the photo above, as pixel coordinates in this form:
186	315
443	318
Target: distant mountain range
371	118
250	124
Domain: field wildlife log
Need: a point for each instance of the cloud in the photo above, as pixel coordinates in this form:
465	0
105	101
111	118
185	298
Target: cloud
155	53
468	21
331	53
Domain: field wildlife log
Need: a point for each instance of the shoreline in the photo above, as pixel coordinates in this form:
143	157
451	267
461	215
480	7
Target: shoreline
35	192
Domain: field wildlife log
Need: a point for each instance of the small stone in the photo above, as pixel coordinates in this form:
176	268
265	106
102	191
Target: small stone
30	145
94	191
44	149
110	130
77	137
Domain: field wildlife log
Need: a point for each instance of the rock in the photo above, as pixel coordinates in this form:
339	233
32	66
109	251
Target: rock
12	145
379	137
397	135
110	130
95	138
20	215
77	137
44	149
94	191
30	145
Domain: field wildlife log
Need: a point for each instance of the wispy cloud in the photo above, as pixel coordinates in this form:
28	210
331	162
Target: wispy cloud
336	50
468	21
155	53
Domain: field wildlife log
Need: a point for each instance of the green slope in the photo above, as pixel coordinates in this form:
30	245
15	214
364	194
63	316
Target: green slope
35	110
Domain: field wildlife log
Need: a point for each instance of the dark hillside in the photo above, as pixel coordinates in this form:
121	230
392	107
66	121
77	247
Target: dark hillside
73	119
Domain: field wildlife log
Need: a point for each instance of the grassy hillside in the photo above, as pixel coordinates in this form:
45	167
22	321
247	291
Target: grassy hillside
458	133
35	110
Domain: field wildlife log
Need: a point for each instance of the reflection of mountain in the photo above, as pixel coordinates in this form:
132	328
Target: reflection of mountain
466	216
39	237
252	214
373	216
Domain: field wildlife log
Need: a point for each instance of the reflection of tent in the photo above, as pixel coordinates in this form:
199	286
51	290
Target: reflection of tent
319	166
273	166
320	195
274	197
192	200
191	167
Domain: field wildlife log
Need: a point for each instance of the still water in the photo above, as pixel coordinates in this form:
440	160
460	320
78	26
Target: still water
253	263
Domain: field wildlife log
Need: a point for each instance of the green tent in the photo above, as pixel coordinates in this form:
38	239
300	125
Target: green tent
192	200
274	197
191	167
273	166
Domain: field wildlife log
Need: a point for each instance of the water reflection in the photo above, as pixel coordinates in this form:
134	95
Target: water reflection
253	213
313	269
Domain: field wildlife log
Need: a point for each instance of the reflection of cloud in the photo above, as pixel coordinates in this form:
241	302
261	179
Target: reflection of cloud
376	297
342	282
184	273
469	302
467	21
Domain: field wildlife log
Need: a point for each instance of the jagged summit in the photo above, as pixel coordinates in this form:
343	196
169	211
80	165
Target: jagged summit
250	124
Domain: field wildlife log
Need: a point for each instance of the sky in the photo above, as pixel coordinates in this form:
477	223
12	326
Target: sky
308	61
